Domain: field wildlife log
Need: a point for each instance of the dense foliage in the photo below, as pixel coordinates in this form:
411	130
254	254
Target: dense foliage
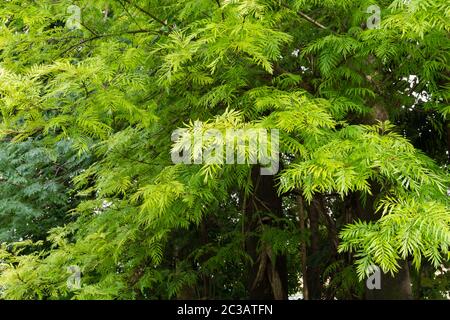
88	109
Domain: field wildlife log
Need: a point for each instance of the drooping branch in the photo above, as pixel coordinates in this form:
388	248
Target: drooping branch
315	22
309	19
151	15
100	36
89	29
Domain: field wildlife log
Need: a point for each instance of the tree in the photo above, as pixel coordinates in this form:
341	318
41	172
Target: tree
354	189
35	188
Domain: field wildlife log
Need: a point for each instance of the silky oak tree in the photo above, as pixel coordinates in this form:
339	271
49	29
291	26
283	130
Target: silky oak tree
357	89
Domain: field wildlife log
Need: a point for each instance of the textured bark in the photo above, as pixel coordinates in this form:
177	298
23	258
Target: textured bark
397	287
303	250
204	241
314	272
267	279
392	288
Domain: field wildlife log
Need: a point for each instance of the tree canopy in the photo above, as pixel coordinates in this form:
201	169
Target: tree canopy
91	93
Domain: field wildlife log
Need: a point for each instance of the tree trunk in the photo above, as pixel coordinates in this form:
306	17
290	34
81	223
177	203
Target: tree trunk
267	278
392	288
314	271
303	251
204	241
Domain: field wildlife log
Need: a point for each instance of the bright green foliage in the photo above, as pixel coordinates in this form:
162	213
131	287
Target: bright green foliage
114	91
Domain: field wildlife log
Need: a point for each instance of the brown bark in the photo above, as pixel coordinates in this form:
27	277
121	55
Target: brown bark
267	277
303	251
399	286
204	240
314	272
392	288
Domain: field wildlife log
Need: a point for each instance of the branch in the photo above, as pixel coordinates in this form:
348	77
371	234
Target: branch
89	29
309	19
128	13
151	15
315	22
220	7
104	36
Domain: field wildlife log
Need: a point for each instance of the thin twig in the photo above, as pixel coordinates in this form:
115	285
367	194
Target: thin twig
315	22
309	19
89	29
104	36
129	14
220	7
151	15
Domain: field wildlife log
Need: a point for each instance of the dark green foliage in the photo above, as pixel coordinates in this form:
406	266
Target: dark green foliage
36	191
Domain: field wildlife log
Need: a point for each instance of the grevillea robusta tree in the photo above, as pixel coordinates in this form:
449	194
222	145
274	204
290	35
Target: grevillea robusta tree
360	99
